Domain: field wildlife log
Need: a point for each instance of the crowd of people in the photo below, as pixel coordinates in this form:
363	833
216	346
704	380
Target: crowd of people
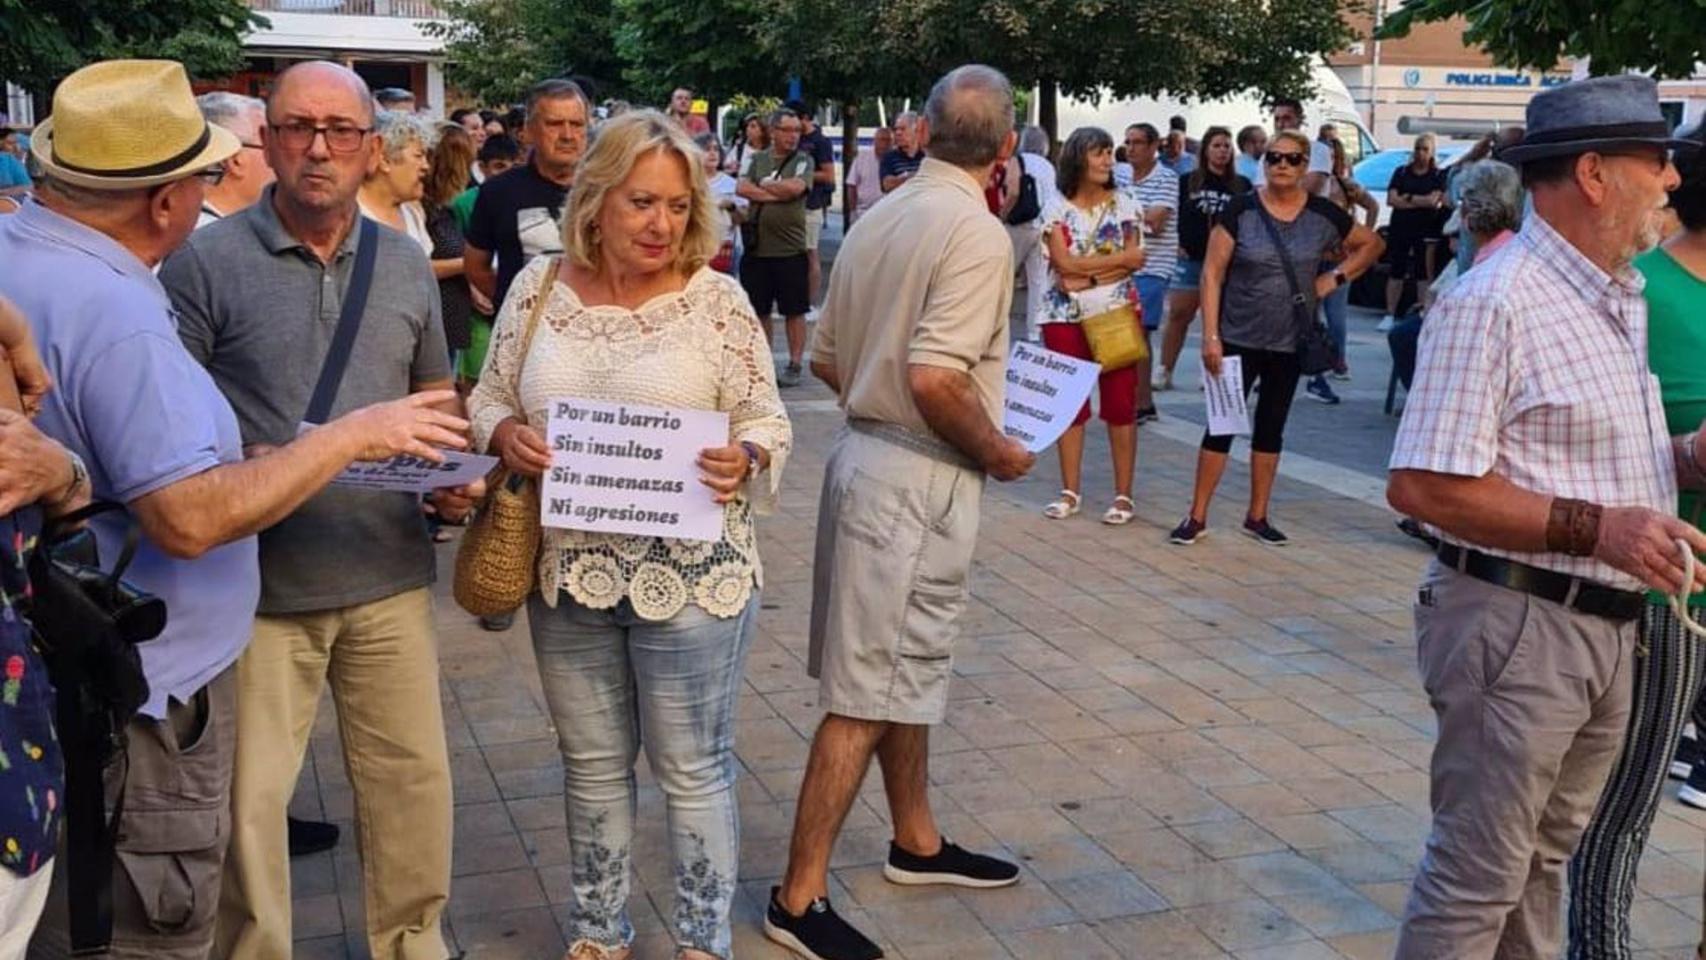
212	307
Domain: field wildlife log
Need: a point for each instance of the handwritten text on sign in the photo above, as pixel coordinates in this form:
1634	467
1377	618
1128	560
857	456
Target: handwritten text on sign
624	468
1045	390
414	475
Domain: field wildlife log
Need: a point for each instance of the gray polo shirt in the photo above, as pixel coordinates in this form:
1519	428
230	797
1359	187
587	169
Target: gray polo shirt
258	310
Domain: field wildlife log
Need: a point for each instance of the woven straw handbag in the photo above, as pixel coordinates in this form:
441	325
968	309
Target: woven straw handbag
498	559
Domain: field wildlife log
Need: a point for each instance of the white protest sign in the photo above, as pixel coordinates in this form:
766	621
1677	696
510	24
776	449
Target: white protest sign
628	469
1045	391
407	474
1228	414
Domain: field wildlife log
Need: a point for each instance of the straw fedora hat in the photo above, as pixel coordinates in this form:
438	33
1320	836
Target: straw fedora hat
127	124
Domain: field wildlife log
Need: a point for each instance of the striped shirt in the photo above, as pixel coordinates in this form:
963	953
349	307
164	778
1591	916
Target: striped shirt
1534	367
1160	188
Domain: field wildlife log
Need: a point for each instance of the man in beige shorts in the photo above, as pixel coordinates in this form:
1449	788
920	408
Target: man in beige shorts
914	340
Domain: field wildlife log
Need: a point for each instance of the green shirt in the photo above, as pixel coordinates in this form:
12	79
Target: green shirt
1676	351
462	208
781	226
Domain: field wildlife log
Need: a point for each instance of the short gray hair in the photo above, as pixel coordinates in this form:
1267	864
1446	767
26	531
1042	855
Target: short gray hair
1491	198
557	88
905	118
241	115
395	130
970	113
1033	139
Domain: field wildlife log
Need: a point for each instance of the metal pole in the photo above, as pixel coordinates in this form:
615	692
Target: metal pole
1374	68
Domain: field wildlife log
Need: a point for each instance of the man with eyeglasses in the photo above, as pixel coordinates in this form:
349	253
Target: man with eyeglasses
247	172
127	158
344	602
1535	443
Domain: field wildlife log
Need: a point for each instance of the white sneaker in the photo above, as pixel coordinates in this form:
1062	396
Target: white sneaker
1386	324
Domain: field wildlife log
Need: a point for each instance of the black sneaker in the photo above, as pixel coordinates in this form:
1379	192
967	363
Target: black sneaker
952	865
1693	792
1148	415
498	623
310	836
1318	389
790	376
817	934
1188	532
1265	532
1687	754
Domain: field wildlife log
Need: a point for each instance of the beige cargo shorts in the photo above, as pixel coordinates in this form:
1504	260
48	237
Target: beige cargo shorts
897	524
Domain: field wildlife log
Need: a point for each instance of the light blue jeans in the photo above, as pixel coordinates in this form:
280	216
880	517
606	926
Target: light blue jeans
613	682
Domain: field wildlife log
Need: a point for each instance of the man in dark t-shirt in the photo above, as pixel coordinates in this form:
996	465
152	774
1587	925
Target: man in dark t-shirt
814	144
899	164
518	216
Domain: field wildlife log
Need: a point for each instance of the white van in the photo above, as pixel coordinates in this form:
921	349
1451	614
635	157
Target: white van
1331	103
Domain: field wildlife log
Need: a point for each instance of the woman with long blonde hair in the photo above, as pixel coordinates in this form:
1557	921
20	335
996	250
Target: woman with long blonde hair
639	633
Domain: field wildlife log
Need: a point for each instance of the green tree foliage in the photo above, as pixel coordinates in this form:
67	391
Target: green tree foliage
1664	36
498	48
41	41
712	46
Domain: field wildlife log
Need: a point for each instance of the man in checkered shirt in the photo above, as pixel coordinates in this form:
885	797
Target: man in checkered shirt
1534	444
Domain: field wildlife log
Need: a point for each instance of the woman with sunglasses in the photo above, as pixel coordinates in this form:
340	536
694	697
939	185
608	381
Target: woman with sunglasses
1248	313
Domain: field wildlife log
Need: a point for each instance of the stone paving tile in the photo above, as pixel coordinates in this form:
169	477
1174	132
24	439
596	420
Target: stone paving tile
1218	752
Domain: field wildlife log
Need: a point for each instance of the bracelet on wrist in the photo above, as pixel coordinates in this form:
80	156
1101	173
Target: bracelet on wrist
1572	526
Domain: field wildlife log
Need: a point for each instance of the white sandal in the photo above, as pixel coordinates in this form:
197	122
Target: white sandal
1118	516
1066	506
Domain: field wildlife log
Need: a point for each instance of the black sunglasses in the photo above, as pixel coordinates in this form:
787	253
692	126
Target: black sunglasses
1275	158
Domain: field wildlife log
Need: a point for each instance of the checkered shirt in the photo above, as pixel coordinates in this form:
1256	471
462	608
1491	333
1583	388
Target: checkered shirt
1534	367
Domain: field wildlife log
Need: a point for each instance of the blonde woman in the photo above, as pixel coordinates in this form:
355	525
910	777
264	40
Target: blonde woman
640	634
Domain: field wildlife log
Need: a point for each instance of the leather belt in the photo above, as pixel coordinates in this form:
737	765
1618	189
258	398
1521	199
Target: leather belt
1575	593
930	445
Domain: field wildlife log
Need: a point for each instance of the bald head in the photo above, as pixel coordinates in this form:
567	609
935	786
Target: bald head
970	116
325	83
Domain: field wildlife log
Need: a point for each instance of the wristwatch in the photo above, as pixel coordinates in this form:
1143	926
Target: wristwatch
752	462
1339	278
79	475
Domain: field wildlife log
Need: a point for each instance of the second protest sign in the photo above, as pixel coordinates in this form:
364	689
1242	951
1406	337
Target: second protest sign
629	469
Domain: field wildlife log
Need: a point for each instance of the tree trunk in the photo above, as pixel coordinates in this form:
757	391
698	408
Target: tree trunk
849	153
1048	112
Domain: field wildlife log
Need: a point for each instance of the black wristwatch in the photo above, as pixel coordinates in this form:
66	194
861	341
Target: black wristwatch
1339	278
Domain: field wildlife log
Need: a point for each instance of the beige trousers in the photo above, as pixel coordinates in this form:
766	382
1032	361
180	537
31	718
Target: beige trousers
381	661
1533	701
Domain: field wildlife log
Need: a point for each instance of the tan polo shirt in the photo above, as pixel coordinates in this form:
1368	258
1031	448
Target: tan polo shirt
925	277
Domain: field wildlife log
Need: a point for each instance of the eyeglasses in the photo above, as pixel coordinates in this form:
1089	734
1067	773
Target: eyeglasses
212	176
1275	158
340	137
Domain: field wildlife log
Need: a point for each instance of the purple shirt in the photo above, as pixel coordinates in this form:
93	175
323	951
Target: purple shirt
130	400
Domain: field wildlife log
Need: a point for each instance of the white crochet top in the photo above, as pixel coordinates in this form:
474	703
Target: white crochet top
701	348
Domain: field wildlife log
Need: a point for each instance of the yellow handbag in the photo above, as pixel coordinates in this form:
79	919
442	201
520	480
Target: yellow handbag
497	561
1112	326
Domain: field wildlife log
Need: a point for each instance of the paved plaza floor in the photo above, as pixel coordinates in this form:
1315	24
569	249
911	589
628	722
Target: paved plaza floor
1206	752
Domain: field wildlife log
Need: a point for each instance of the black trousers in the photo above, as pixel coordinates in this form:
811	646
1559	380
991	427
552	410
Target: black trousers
1278	372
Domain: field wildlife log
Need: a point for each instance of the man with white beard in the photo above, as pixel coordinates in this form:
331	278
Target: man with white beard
1534	444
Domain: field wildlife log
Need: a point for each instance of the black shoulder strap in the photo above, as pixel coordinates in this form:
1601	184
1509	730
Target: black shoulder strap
349	321
1299	303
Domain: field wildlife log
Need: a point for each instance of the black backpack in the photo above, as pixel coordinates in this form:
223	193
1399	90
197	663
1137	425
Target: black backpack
1027	207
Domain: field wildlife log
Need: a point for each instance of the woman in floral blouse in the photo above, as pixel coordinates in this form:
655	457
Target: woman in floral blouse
632	633
1093	241
32	776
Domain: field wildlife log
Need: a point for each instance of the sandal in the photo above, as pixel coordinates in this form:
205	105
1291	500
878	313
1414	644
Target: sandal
1066	506
587	950
1118	516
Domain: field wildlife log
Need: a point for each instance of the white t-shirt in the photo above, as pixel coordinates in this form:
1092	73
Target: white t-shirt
723	188
414	223
866	175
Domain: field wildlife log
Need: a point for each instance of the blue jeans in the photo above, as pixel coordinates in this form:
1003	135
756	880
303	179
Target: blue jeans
614	682
1152	294
1335	305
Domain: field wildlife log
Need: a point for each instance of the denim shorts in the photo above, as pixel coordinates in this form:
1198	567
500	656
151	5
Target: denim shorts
1187	275
1152	293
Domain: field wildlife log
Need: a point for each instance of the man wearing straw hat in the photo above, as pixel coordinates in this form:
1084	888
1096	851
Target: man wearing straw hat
1534	443
127	156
